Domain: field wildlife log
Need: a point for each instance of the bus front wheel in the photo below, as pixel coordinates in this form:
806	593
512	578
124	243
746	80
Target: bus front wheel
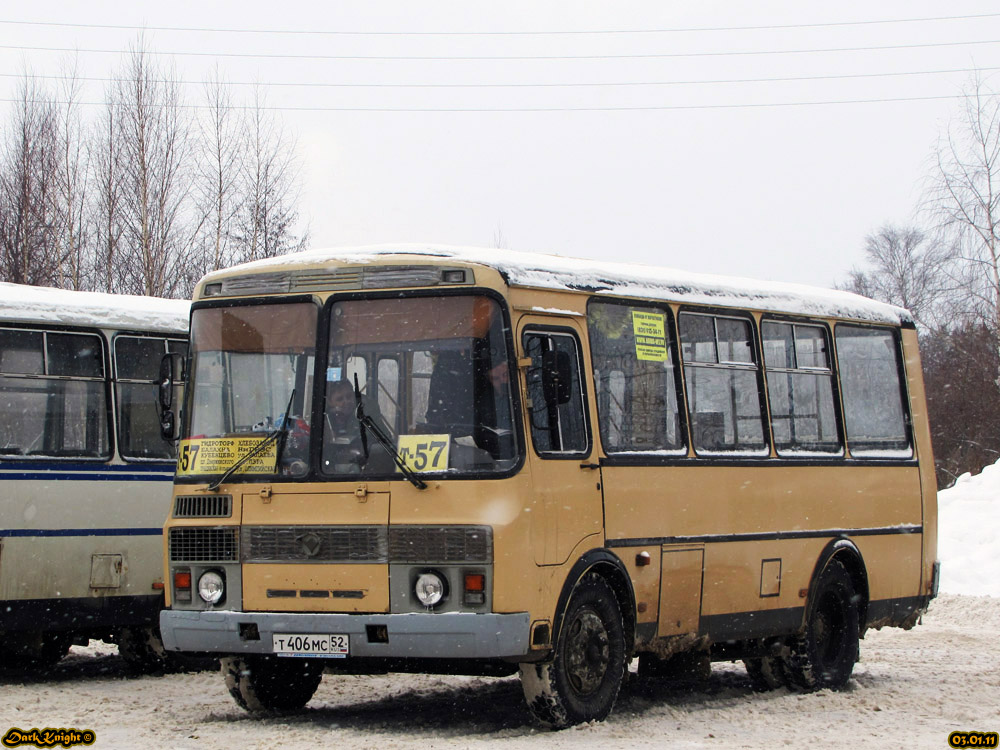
581	680
270	684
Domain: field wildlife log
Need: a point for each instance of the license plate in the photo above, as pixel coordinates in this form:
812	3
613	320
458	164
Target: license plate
324	645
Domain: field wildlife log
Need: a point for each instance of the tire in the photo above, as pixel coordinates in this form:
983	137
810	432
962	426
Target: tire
825	654
581	680
271	684
766	673
142	650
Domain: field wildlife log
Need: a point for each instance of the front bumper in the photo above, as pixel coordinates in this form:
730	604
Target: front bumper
421	636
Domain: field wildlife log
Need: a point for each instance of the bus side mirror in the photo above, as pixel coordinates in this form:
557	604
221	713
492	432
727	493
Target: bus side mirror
171	373
557	377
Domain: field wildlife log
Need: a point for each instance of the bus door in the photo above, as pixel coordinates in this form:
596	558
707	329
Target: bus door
566	479
316	551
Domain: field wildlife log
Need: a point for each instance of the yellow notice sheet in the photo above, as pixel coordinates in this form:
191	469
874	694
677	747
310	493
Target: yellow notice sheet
650	336
423	453
217	455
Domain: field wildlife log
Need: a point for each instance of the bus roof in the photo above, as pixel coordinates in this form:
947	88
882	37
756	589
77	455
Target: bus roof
537	270
45	305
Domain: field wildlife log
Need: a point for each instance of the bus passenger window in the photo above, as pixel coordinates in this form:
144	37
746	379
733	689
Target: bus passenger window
137	367
870	370
800	388
635	375
557	426
52	395
723	396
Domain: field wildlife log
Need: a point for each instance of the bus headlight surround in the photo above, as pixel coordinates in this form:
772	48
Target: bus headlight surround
430	588
211	587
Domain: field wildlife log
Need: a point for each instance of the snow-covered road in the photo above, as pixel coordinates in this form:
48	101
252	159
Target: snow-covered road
910	690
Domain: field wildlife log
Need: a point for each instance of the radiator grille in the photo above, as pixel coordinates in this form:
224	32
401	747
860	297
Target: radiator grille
441	544
208	545
340	544
203	506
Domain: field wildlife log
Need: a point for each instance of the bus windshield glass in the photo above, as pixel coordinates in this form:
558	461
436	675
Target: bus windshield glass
431	373
251	374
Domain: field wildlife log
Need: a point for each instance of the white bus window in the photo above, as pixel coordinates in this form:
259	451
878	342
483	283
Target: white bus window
137	367
724	400
800	389
869	367
635	375
22	352
59	409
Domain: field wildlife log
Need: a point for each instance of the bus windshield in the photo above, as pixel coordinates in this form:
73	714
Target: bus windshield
251	373
431	375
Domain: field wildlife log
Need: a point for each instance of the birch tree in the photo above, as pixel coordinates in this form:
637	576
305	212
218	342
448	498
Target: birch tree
30	223
73	187
218	182
154	147
268	214
907	267
965	201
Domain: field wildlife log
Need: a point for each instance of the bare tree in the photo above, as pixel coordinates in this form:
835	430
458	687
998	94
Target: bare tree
965	200
909	269
270	184
30	223
73	187
219	198
107	206
155	209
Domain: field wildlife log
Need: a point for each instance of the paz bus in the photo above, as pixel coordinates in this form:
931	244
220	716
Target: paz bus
85	475
439	459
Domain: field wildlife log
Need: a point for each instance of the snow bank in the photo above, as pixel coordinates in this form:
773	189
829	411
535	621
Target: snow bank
969	518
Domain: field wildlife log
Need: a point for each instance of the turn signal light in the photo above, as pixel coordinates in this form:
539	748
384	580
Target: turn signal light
182	585
475	588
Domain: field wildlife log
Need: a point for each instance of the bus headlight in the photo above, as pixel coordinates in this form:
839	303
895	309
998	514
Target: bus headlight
211	587
429	589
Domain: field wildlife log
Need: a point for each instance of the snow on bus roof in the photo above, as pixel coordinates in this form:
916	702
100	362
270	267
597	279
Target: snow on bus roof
34	304
623	279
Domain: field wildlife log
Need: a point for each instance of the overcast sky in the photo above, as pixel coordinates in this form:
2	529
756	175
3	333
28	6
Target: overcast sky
762	139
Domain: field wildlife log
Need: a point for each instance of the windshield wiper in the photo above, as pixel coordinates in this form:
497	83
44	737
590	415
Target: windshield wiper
279	432
382	439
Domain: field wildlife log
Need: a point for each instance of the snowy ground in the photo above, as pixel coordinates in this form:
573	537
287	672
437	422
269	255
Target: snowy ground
910	690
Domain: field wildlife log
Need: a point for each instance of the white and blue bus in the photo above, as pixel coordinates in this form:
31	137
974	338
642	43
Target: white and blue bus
85	476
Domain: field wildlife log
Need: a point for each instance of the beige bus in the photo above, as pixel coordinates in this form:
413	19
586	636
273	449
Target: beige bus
438	459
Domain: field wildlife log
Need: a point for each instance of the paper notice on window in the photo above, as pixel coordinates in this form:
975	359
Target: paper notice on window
650	332
217	455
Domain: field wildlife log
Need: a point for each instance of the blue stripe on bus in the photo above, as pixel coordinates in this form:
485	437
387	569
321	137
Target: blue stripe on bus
80	532
85	477
86	466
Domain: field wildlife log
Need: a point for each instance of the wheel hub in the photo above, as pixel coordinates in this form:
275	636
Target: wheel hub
587	652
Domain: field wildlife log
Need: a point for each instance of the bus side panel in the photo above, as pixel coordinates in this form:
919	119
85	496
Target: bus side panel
65	543
922	437
764	527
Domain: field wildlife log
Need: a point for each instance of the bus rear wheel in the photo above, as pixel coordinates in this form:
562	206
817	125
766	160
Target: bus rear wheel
582	679
270	684
825	654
